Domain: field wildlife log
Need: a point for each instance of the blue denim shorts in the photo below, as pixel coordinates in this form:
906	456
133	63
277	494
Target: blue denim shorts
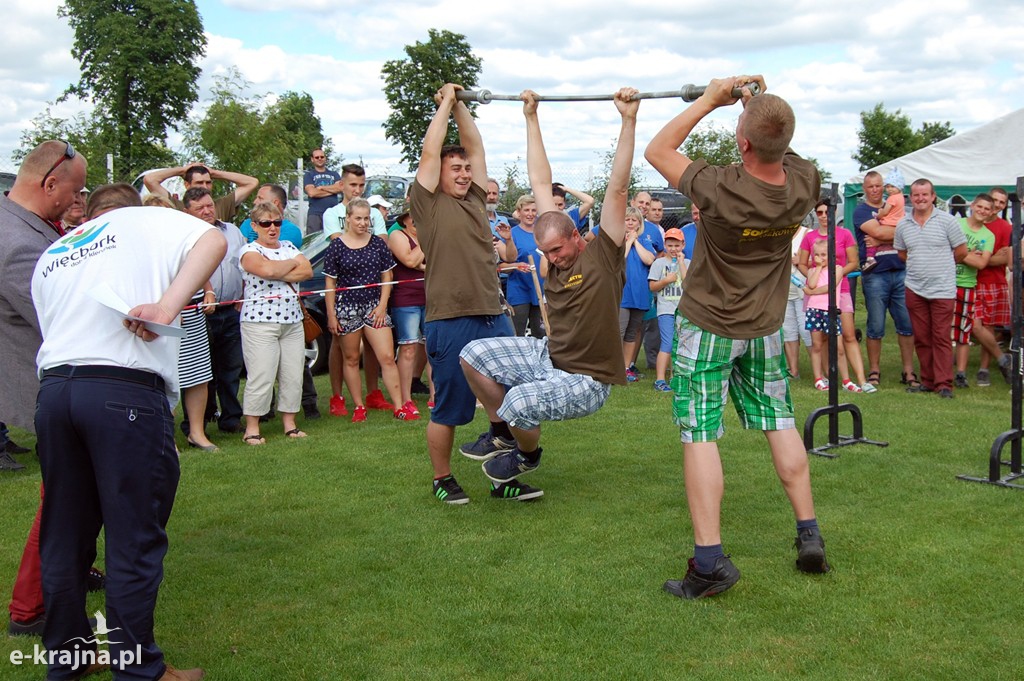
455	403
409	323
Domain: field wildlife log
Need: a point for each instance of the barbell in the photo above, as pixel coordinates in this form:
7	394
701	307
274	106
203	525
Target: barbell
688	93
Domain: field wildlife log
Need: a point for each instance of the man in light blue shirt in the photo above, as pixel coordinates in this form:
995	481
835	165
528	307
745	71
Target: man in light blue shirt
272	193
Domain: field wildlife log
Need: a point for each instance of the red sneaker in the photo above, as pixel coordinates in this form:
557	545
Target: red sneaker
375	400
338	406
408	412
359	414
430	404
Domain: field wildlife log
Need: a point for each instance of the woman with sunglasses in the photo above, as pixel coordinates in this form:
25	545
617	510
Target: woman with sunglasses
847	258
272	336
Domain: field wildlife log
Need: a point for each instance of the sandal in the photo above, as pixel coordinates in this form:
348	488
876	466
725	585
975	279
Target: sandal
909	378
850	386
821	384
295	433
255	440
874	378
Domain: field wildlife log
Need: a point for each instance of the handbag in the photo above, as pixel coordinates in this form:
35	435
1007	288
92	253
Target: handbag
310	329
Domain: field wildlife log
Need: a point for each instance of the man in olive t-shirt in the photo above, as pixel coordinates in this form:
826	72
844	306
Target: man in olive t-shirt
730	314
524	381
449	208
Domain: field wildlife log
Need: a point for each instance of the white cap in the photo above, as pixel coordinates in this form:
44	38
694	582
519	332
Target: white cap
378	200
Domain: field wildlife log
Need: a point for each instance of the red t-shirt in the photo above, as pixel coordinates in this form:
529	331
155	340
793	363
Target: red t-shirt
996	274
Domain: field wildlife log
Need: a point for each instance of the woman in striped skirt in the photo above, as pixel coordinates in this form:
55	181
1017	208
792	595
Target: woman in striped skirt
194	368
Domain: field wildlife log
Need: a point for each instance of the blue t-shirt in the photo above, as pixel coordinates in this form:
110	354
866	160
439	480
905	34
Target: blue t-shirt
320	179
690	234
580	221
636	295
520	284
290	232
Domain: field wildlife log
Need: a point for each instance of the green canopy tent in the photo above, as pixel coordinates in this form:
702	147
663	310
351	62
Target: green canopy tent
991	155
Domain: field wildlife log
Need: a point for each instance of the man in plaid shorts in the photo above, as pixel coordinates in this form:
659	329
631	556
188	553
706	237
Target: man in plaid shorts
728	338
524	381
992	302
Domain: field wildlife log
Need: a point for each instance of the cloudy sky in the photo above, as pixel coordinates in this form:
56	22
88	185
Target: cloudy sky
942	60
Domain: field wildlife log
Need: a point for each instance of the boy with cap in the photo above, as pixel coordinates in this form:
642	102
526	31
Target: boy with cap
666	282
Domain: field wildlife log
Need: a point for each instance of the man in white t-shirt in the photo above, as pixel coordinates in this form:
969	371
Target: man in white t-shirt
106	445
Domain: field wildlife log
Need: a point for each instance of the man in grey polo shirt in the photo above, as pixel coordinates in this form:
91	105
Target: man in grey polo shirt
931	243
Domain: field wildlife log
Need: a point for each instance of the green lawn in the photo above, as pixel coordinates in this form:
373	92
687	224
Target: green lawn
328	558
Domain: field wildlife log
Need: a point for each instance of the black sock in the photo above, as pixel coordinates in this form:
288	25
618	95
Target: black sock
531	457
501	429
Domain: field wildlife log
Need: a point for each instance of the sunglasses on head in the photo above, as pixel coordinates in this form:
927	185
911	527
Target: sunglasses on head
69	152
268	223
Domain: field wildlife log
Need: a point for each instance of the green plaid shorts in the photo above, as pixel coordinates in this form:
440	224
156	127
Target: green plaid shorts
707	367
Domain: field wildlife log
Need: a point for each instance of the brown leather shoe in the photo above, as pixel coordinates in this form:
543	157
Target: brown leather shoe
172	674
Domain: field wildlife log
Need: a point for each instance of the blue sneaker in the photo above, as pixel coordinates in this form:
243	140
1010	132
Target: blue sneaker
505	467
662	386
486	447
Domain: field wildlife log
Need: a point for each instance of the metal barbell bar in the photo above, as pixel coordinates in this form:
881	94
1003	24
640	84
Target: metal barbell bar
688	93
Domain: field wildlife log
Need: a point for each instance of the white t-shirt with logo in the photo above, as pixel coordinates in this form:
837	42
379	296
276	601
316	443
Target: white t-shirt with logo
137	252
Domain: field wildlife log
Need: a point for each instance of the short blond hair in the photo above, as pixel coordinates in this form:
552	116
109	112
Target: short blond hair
768	124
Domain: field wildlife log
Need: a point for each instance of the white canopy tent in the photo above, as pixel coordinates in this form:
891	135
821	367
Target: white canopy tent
991	155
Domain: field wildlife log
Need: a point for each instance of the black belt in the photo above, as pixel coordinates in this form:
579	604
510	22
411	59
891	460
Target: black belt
146	378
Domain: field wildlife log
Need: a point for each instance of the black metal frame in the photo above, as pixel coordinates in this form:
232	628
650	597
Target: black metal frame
834	409
1013	436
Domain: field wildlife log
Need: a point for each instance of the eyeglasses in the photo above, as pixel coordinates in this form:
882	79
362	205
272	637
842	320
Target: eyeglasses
69	152
319	158
821	212
268	223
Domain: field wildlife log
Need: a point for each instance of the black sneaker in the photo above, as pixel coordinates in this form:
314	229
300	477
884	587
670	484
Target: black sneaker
312	412
960	381
515	491
486	447
507	466
7	463
14	448
699	585
946	394
983	379
95	580
810	552
419	387
448	491
1006	367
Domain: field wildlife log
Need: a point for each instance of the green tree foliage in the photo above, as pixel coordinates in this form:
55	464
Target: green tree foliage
599	185
714	143
826	176
410	85
885	136
138	65
255	135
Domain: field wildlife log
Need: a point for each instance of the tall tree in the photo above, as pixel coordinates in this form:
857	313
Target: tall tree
885	136
714	143
410	85
138	65
254	135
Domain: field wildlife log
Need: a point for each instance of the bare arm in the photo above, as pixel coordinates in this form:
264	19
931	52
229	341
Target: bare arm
330	283
537	166
585	199
410	256
265	268
472	142
878	231
429	172
1000	257
613	212
303	270
153	181
852	260
200	263
314	192
960	252
646	257
663	151
244	184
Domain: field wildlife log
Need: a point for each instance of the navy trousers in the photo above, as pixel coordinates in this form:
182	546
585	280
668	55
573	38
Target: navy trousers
226	358
106	449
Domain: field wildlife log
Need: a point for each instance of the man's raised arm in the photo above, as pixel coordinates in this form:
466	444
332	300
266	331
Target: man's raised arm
663	151
153	181
244	184
613	211
429	172
537	166
472	142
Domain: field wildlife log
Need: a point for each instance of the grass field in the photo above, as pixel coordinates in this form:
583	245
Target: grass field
327	558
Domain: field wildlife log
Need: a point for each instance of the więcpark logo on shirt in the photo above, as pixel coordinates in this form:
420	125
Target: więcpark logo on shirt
79	245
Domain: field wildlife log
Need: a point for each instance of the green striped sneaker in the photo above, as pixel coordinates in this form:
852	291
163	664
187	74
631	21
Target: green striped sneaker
448	491
515	490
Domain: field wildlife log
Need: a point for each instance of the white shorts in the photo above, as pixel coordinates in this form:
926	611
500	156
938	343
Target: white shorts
537	391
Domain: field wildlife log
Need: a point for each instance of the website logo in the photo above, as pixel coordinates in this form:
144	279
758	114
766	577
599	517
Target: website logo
77	239
82	653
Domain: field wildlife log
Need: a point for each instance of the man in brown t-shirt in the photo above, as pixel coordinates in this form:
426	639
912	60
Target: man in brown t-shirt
732	307
524	381
449	208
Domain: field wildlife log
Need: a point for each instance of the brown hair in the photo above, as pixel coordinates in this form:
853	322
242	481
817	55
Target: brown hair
111	196
768	124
